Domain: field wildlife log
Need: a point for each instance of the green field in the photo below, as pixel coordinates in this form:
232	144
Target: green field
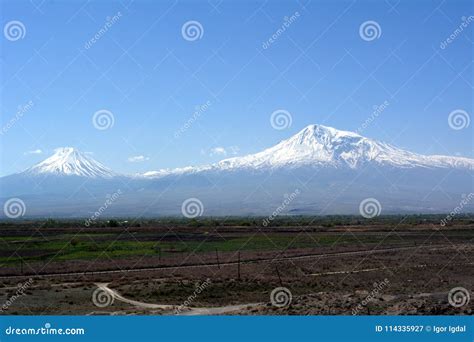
96	246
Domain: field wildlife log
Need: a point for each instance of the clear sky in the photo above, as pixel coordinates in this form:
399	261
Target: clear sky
320	67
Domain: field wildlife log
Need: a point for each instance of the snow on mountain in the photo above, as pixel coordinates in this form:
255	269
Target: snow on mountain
176	172
67	161
336	168
314	146
321	146
318	145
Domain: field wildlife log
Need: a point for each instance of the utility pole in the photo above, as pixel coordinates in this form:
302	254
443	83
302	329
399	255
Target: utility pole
238	266
278	274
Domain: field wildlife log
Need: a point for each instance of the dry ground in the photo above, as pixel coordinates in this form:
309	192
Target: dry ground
331	271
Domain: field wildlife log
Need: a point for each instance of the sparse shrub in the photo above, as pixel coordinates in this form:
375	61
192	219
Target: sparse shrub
113	223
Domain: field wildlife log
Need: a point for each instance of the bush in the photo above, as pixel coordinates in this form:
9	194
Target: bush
113	223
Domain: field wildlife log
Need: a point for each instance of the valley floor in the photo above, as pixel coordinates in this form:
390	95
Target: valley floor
173	269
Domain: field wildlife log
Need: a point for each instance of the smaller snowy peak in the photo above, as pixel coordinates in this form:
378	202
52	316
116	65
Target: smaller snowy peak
68	161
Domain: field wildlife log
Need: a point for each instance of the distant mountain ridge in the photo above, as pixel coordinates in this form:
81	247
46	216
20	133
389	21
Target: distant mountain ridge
333	171
315	145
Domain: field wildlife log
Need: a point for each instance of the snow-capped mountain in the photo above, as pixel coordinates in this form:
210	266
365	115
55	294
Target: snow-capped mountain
332	170
68	161
321	146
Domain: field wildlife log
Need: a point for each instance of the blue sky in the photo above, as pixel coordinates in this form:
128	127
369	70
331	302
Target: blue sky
151	79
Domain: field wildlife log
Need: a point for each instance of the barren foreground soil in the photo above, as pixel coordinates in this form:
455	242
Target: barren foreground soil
339	270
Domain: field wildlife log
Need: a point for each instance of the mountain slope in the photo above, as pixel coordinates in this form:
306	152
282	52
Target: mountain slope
326	147
67	161
319	145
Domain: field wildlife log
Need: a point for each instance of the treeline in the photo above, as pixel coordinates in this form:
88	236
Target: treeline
280	221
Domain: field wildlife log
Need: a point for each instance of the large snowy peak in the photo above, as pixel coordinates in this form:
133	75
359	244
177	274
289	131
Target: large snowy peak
322	146
68	161
315	145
